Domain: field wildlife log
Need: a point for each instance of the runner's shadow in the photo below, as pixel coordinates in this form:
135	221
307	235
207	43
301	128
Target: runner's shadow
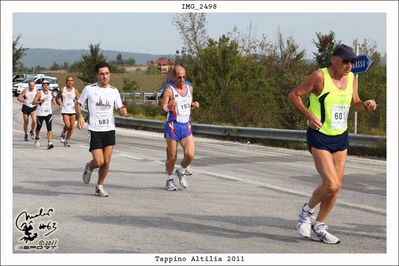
181	224
353	229
43	192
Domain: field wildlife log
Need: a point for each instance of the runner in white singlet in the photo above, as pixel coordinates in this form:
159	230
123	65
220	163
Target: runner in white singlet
66	99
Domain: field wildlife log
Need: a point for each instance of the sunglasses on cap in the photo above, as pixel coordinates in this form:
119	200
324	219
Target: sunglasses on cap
347	61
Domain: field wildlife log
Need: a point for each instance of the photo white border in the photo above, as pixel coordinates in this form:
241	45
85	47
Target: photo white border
390	8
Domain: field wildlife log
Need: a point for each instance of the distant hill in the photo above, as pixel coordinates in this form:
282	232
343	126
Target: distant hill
46	57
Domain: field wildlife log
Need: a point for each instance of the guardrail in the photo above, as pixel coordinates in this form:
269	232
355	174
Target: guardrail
358	140
145	96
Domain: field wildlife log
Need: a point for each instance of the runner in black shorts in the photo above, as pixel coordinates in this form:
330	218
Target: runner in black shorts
101	99
332	91
28	109
44	100
99	140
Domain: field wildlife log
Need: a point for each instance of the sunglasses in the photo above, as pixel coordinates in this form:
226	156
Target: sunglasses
348	61
181	77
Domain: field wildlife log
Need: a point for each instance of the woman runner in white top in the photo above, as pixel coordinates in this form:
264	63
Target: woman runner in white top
66	99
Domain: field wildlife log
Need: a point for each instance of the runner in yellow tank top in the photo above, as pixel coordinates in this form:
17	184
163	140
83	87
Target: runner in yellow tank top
331	91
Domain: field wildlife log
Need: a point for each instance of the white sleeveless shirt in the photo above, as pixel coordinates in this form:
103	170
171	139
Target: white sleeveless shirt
44	109
183	105
29	96
68	101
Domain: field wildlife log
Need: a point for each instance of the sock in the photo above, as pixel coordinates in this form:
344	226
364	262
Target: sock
100	186
317	223
308	209
49	143
170	177
181	169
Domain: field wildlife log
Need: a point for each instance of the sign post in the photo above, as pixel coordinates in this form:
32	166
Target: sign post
361	65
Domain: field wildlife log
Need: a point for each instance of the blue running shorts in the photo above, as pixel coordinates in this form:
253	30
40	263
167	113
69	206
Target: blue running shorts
177	131
324	142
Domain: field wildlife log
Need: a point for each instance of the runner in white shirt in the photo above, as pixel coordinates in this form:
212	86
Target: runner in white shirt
66	100
28	109
44	99
101	99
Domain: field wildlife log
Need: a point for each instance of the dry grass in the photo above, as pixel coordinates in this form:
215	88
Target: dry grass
148	83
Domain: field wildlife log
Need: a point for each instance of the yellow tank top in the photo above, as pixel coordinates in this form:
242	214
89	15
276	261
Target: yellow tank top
332	105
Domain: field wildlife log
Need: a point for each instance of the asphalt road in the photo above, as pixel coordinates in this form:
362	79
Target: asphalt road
242	198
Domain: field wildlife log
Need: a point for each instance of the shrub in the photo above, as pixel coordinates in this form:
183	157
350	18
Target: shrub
150	109
132	109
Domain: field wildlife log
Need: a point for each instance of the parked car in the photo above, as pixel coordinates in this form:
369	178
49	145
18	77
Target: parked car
20	77
18	88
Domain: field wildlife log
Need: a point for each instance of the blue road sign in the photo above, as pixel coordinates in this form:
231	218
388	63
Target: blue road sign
362	64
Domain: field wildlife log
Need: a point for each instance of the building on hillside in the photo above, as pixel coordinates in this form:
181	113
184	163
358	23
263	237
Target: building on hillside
163	65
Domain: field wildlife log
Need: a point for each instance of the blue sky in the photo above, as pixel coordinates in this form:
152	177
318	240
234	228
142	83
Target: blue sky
155	33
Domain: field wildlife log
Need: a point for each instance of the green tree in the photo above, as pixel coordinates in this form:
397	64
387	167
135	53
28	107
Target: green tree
371	85
18	51
119	59
65	65
230	87
285	68
152	70
130	61
130	85
88	62
192	30
54	66
74	67
325	44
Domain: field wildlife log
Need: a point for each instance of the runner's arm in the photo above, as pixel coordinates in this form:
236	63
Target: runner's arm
81	120
167	101
360	105
312	83
57	98
82	99
21	96
194	104
37	100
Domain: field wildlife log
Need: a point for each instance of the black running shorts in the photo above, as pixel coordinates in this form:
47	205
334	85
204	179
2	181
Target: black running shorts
49	122
100	140
28	110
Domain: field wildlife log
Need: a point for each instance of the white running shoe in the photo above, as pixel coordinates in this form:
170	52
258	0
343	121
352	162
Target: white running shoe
304	222
101	192
182	179
87	174
50	146
62	138
170	185
320	233
32	135
37	143
188	171
66	143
